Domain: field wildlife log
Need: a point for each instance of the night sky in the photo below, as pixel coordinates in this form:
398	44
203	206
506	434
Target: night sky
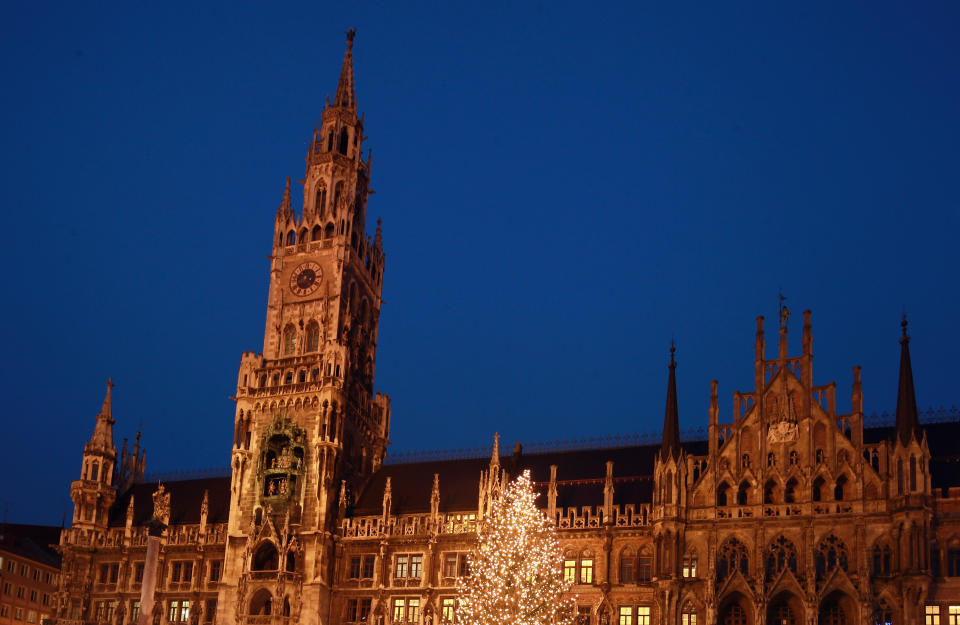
564	188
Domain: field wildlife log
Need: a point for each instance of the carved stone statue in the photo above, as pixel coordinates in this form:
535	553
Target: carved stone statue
161	505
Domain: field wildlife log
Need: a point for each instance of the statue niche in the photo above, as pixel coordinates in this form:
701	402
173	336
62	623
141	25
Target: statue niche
281	463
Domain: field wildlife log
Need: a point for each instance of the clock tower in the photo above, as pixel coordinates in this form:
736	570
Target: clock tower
309	429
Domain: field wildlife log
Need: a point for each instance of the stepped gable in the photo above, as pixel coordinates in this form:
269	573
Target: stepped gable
34	542
580	477
185	499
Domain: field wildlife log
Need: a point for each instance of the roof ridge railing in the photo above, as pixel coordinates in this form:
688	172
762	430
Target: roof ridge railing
614	441
186	474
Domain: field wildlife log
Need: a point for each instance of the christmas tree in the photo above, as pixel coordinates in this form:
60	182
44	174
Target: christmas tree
516	567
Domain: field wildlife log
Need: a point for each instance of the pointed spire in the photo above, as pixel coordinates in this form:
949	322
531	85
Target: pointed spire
671	419
284	210
107	409
102	439
345	94
495	455
908	422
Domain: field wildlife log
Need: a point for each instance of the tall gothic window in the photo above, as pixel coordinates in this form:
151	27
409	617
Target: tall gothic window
830	554
644	566
732	557
881	560
321	203
782	554
689	615
313	336
342	143
838	489
628	560
818	485
289	340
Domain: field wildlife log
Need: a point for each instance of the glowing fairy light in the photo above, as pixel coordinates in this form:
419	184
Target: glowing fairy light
516	566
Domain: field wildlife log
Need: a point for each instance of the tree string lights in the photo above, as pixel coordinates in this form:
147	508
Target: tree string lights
516	566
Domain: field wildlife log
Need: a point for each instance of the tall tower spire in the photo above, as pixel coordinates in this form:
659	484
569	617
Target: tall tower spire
102	439
671	419
346	97
908	422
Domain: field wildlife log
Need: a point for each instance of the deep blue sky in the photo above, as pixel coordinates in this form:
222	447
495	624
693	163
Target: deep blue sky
563	188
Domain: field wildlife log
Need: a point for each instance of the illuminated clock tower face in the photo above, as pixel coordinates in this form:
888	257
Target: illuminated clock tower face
305	279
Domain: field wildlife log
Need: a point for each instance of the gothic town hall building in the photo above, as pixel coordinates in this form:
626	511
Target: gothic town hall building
790	514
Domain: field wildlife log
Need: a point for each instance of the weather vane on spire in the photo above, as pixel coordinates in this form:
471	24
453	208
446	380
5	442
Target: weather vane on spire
782	310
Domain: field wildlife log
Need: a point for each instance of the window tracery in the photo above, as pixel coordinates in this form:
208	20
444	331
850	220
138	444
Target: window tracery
830	554
782	554
732	557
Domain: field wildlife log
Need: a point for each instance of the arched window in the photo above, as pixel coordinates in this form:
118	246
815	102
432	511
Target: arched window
313	336
830	554
689	568
899	476
321	200
94	471
265	558
263	381
794	458
288	379
913	473
343	142
644	566
291	237
286	606
745	461
732	557
742	493
303	235
289	340
771	459
688	616
818	485
881	560
337	196
770	492
667	483
838	489
790	492
261	603
315	374
782	554
330	142
302	376
884	615
628	560
329	231
317	233
723	492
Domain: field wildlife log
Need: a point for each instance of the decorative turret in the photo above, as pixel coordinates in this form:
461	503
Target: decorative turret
95	491
908	423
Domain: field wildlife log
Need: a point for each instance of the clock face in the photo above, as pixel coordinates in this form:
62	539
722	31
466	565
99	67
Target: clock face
305	279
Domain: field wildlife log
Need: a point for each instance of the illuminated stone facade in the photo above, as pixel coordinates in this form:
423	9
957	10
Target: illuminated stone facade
792	513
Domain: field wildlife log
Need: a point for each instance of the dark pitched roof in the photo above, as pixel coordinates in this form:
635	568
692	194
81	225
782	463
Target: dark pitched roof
33	542
580	478
185	499
941	440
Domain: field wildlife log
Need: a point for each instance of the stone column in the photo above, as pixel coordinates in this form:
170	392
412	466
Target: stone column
149	584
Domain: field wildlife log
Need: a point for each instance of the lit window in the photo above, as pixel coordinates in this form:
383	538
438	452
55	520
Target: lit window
4	611
586	571
643	615
932	615
583	615
406	610
179	611
358	610
688	616
448	609
416	566
953	615
570	571
31	617
626	615
400	571
690	565
134	611
18	614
